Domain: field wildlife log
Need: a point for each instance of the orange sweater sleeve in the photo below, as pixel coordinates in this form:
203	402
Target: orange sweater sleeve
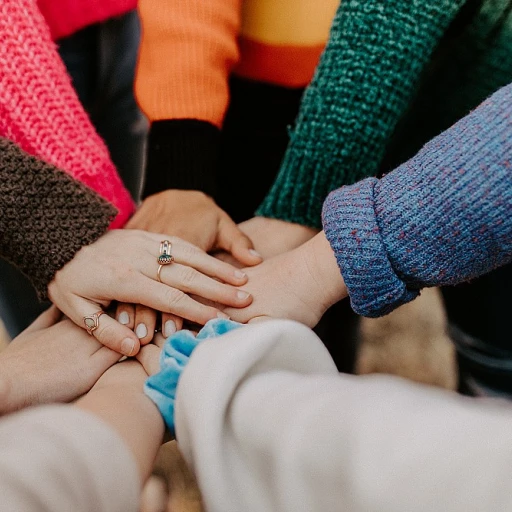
187	52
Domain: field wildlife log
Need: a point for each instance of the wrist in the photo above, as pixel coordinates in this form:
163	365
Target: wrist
324	269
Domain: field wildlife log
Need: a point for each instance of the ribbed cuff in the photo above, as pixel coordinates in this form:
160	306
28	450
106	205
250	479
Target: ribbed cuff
182	154
298	192
350	225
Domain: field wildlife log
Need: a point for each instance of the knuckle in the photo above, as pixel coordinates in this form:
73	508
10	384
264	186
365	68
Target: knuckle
188	275
122	272
106	334
174	297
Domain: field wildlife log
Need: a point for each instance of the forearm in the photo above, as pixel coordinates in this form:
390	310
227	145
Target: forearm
279	429
40	110
130	414
187	52
45	215
439	219
366	77
60	458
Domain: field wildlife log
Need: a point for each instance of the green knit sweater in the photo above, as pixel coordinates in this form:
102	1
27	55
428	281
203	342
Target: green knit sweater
394	74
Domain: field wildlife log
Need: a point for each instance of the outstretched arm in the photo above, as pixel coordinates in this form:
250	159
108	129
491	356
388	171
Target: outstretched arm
40	110
364	82
267	423
439	219
187	51
90	457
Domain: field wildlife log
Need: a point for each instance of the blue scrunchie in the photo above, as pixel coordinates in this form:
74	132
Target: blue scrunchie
161	387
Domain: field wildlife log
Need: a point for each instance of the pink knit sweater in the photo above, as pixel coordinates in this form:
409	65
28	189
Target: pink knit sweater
64	17
40	111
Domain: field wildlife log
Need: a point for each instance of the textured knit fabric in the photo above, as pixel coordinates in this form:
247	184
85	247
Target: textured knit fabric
65	17
60	459
188	52
45	215
439	219
189	48
369	79
162	386
39	109
267	424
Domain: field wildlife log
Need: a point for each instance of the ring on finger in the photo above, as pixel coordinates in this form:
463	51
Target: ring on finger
165	257
92	322
165	253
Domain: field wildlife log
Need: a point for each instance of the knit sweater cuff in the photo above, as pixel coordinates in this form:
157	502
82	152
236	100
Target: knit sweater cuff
46	216
289	199
351	226
182	154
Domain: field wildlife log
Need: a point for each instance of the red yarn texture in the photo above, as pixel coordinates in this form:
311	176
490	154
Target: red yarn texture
64	17
40	111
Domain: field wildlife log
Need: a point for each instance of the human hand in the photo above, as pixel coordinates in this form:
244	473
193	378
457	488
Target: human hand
52	360
298	285
122	265
196	218
118	399
273	236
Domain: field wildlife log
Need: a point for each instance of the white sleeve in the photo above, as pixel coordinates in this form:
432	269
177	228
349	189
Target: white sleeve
267	423
61	459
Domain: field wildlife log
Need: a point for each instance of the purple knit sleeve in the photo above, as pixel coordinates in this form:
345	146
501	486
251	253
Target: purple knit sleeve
443	217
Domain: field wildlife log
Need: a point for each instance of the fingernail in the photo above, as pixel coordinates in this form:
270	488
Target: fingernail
127	346
240	274
124	318
223	315
169	328
255	253
141	331
242	295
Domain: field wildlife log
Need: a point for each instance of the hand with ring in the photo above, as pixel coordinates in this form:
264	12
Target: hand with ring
159	272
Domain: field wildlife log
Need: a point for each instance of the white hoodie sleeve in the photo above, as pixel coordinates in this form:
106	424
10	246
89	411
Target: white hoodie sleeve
267	424
59	458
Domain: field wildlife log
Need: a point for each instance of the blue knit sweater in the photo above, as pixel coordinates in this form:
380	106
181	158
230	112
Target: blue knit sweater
443	217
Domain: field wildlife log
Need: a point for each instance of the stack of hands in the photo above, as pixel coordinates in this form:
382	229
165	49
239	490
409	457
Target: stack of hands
258	269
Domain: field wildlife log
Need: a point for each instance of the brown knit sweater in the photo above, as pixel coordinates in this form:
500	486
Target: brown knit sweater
45	215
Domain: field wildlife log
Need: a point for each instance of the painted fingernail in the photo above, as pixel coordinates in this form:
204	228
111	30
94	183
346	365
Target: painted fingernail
169	328
124	318
242	295
141	331
127	346
255	253
223	315
240	274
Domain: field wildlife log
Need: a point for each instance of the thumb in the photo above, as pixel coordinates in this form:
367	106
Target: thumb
46	319
257	319
238	244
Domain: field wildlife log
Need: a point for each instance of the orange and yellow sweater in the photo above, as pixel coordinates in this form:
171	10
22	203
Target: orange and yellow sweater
191	49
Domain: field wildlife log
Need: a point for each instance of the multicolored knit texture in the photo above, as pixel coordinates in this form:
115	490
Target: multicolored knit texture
46	216
441	218
40	111
368	78
65	17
